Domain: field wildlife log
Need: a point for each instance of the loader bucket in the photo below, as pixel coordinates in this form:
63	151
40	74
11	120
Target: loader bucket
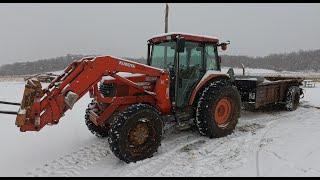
31	95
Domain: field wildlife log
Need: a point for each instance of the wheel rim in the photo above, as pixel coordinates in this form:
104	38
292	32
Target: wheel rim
139	134
222	112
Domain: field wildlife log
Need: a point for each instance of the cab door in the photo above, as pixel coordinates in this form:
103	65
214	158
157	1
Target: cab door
191	69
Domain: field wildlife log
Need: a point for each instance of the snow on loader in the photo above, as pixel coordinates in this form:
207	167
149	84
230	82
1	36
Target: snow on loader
132	102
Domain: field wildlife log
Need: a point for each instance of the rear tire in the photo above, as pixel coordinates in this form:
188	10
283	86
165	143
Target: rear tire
292	98
135	133
218	109
99	131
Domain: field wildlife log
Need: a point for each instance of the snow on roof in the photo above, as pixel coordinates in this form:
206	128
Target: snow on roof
184	34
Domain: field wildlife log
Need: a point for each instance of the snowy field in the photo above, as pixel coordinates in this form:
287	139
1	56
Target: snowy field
265	143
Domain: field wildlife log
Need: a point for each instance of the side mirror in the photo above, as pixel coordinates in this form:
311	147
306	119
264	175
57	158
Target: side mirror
224	45
181	43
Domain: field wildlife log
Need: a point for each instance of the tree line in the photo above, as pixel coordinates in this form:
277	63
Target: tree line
295	61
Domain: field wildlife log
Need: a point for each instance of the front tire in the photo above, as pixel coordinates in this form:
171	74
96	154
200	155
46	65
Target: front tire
135	133
218	109
98	131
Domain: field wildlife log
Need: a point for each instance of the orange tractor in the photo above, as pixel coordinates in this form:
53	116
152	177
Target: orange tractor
131	102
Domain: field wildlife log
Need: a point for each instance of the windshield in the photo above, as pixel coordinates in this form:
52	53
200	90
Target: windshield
163	55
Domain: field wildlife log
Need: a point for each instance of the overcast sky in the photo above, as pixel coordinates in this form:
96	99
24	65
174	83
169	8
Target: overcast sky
35	31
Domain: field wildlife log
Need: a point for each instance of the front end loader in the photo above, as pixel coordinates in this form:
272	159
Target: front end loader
132	102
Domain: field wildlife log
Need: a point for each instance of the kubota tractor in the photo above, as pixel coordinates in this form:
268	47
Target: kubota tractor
131	102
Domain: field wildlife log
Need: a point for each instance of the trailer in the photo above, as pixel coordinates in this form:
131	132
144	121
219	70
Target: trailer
259	91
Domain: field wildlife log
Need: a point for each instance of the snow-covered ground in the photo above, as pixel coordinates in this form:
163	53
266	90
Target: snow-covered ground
265	143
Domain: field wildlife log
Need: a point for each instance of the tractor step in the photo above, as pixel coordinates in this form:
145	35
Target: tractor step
179	122
183	126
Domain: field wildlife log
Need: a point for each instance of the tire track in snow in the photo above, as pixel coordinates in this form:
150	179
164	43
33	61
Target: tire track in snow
273	123
172	149
167	152
178	150
216	156
73	163
292	165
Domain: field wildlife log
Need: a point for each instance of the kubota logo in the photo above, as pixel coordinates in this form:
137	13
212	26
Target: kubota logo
127	64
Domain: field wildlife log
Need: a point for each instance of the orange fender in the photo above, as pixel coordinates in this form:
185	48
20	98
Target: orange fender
208	77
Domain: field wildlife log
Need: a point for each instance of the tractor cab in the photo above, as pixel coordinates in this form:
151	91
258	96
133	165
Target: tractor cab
187	57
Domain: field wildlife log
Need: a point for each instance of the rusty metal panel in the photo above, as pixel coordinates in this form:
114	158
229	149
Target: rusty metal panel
267	94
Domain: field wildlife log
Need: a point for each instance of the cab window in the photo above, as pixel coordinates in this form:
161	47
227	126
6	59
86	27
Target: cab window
211	57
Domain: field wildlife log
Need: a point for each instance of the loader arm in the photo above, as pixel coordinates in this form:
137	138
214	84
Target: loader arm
40	107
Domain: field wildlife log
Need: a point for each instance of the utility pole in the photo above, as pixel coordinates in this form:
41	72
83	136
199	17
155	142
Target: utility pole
166	31
166	19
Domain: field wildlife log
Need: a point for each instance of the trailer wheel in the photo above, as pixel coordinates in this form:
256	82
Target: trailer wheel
99	131
135	133
292	98
218	109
